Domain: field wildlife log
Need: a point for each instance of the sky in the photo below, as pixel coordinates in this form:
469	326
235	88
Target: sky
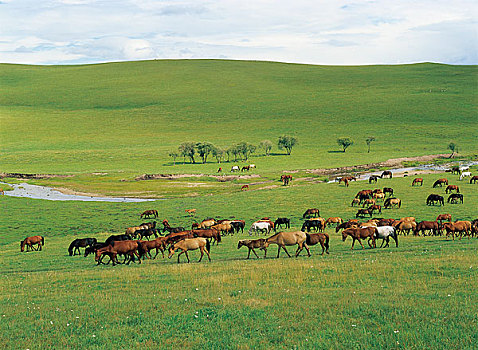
330	32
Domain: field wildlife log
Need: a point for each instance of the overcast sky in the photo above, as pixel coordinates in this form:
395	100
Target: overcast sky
304	31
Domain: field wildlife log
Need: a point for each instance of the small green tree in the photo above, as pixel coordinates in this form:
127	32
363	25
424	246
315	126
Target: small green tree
369	140
174	155
234	150
287	142
188	149
266	145
245	149
452	147
218	153
345	143
204	149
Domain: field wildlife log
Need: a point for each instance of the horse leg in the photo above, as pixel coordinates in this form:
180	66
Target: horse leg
187	256
278	251
249	253
388	241
255	253
283	247
306	248
180	255
299	249
360	241
202	253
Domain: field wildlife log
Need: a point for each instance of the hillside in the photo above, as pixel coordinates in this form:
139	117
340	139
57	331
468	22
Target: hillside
127	116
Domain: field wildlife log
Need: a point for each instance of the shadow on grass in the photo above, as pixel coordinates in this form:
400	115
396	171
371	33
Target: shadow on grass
335	152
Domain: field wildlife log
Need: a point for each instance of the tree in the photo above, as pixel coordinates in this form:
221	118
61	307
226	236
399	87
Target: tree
218	153
234	150
204	149
287	142
174	155
188	149
369	140
345	143
452	147
266	145
246	149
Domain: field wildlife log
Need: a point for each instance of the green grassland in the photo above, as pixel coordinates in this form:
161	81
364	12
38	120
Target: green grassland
419	295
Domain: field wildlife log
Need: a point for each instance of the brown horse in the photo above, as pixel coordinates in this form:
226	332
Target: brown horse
444	217
358	234
127	248
159	244
474	179
440	182
322	238
387	173
363	212
375	207
348	224
219	170
450	188
2	192
392	202
417	181
460	227
286	179
251	244
246	167
191	244
149	213
433	227
283	239
334	220
213	233
355	201
191	212
405	226
368	202
311	212
31	241
177	236
244	187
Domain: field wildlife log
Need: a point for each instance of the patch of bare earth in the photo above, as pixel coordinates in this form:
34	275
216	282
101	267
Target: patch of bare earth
220	178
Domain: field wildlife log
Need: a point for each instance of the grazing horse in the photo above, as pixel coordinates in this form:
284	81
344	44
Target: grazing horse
311	212
373	178
219	170
417	181
191	244
455	198
388	190
149	213
387	173
369	201
313	223
432	226
458	227
238	225
147	246
281	221
286	179
391	202
333	220
322	238
363	212
405	226
191	212
364	194
246	167
444	217
360	233
355	201
260	226
234	168
474	179
456	170
244	187
385	232
283	239
127	248
83	243
465	174
378	196
31	241
450	188
440	182
375	207
251	244
435	198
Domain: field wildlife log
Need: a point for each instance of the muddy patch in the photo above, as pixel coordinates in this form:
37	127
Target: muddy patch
220	178
32	176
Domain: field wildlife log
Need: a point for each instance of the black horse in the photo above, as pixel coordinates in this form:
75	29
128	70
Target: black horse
238	225
146	233
173	229
373	178
80	243
388	190
312	224
387	173
455	198
435	198
118	238
281	221
93	248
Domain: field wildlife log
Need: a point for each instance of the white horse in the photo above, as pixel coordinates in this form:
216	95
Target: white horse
252	166
264	227
234	168
385	232
465	174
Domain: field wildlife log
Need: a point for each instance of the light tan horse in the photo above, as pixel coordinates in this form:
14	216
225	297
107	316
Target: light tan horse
283	239
190	211
409	219
251	244
31	241
405	226
191	244
334	220
207	223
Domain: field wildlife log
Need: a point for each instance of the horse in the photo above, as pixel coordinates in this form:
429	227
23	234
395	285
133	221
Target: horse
281	221
238	225
440	182
405	226
114	238
359	233
385	232
191	212
333	220
31	241
149	213
283	239
177	236
244	187
93	248
369	201
167	227
435	198
388	190
260	226
132	230
364	194
146	233
355	201
345	180
2	192
363	212
345	225
474	179
459	227
316	224
311	212
191	244
219	170
456	170
213	233
286	179
81	242
147	246
455	198
375	207
252	166
373	178
391	202
322	238
444	217
378	196
128	248
431	226
207	223
417	180
245	167
234	168
251	244
387	173
450	188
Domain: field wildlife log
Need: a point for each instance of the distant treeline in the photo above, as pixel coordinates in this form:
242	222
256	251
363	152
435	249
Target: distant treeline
240	151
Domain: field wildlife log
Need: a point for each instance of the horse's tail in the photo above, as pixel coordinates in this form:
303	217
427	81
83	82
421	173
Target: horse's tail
307	238
326	243
42	240
399	203
208	245
218	238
